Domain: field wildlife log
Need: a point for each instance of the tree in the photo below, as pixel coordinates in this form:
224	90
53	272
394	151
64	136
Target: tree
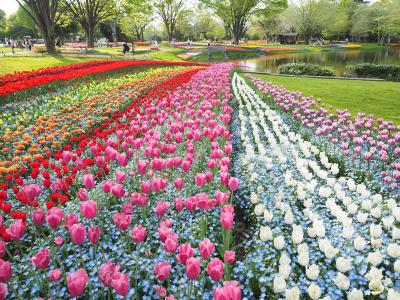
91	12
138	16
308	20
20	24
45	14
237	13
3	20
169	11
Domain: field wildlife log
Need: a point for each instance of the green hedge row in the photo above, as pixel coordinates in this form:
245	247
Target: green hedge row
388	72
305	69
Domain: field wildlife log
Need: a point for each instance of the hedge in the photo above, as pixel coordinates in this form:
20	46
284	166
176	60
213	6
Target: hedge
305	69
388	72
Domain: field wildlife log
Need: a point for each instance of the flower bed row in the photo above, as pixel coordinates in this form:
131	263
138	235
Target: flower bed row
368	148
71	114
311	230
50	75
150	217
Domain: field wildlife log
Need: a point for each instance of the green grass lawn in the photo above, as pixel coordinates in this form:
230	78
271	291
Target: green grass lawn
12	64
167	53
381	98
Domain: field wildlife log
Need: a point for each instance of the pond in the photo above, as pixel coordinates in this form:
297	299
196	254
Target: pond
336	59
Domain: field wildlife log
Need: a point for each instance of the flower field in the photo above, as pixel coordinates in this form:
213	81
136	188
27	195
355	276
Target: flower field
154	180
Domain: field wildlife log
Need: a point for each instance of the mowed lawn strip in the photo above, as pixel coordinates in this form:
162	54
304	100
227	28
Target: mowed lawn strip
16	64
381	98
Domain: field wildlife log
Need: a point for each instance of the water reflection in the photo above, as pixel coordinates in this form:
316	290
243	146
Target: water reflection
337	59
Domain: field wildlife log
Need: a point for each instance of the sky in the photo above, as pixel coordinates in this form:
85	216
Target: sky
9	6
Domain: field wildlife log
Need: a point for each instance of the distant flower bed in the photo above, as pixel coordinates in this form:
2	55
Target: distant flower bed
278	49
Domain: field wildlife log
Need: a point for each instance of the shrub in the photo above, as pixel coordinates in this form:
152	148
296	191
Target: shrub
388	72
305	69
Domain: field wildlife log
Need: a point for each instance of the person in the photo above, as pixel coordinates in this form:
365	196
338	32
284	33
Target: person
125	49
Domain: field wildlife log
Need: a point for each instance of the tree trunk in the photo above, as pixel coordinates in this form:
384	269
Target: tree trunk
307	39
90	37
50	42
114	31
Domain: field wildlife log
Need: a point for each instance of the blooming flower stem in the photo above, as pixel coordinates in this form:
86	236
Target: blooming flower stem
136	271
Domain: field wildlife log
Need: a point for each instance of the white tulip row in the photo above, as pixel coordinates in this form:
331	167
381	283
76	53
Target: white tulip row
366	220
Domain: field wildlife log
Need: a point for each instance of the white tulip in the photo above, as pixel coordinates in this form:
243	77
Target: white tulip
374	273
396	213
265	233
342	282
314	291
285	270
292	294
376	243
359	243
331	252
395	233
393	295
362	217
376	286
279	285
279	242
297	234
375	230
355	294
289	218
375	258
396	266
259	209
388	221
268	215
312	272
343	264
393	250
376	212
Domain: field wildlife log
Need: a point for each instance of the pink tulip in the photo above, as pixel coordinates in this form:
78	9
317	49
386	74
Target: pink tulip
31	191
120	176
200	179
58	241
122	160
230	291
88	181
171	243
233	184
206	248
127	209
76	282
170	297
38	217
55	275
42	259
178	204
162	291
178	183
82	194
107	271
164	232
139	199
215	269
141	167
227	217
146	187
54	217
229	257
185	252
107	185
122	221
2	249
16	230
161	208
88	209
77	233
94	234
5	271
193	268
3	291
120	283
162	270
138	234
71	219
117	190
